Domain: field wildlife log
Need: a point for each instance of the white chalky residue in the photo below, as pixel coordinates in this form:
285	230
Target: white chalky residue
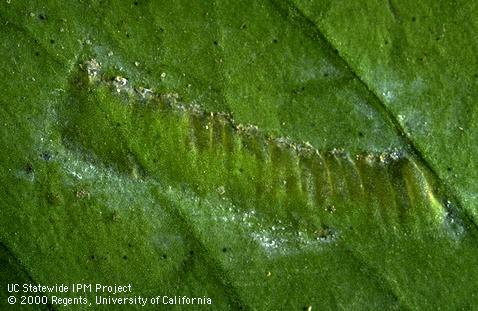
388	95
76	175
280	241
416	122
275	238
267	242
121	84
453	224
417	86
93	69
388	85
145	93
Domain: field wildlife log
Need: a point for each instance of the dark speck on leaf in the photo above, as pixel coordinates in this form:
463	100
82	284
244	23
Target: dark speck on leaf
127	35
52	41
37	53
125	257
414	19
191	253
275	41
298	91
164	256
53	198
360	134
46	156
243	26
215	42
136	3
224	250
42	17
29	168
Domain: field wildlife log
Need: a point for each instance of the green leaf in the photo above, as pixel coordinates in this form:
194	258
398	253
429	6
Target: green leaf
268	155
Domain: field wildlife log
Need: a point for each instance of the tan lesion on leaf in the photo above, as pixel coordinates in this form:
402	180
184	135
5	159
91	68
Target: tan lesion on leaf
323	176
